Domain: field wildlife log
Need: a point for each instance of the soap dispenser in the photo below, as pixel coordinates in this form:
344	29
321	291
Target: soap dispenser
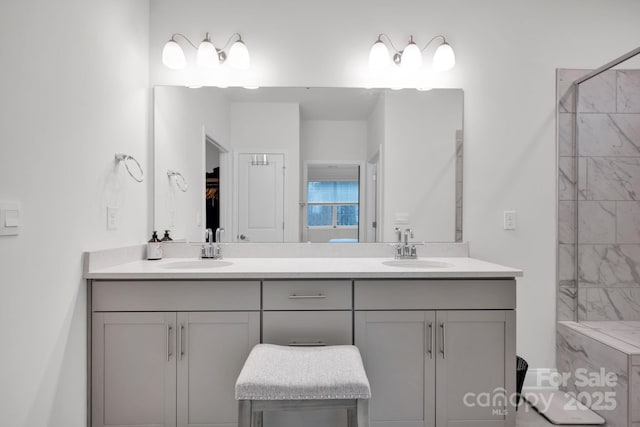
154	247
166	237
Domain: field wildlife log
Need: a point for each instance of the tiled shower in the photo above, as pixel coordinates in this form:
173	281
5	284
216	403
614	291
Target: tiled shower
599	240
599	263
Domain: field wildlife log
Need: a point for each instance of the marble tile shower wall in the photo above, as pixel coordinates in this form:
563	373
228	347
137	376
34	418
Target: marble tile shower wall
607	197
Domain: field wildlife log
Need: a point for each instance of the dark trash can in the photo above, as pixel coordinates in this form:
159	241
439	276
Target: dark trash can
521	372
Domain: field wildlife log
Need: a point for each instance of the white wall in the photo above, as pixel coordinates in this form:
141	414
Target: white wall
420	163
331	140
273	127
375	127
507	53
180	114
74	85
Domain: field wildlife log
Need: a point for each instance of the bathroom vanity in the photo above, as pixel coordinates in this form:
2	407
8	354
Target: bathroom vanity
168	338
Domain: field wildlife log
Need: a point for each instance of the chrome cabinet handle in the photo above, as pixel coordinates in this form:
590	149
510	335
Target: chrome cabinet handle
317	296
181	350
443	338
307	344
169	328
430	341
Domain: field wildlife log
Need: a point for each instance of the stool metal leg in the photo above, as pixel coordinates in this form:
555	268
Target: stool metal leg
363	413
244	413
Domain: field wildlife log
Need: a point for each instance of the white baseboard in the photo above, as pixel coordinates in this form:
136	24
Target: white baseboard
540	379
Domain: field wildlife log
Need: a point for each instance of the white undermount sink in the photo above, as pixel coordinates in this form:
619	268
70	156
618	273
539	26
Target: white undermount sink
416	263
197	264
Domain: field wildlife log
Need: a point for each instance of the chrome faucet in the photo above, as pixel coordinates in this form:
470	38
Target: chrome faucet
210	251
217	253
403	249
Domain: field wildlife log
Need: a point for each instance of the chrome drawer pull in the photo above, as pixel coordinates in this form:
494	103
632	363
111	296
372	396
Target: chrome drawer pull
180	341
430	341
318	296
307	344
169	328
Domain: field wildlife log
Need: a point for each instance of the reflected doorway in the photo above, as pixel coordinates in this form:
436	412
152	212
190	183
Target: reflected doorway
216	161
332	202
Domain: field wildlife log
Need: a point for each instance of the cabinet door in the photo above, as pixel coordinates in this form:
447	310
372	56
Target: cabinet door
399	357
211	349
475	374
134	369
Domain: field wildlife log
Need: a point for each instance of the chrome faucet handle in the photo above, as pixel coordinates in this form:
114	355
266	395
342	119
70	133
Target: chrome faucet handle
408	233
398	234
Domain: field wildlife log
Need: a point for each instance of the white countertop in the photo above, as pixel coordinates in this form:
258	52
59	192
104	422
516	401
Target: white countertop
307	268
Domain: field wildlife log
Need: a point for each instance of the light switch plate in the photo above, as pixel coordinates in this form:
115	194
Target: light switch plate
10	218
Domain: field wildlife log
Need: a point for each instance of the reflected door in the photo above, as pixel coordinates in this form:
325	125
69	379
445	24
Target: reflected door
260	197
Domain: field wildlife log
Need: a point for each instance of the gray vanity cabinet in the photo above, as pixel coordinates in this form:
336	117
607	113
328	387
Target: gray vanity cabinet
307	312
134	369
397	352
475	359
166	353
165	368
428	366
211	350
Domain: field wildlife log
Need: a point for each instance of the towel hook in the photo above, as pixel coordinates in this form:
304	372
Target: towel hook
125	158
182	186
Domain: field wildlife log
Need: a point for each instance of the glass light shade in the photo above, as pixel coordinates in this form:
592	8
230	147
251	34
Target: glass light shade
239	56
444	59
411	57
173	56
379	56
207	55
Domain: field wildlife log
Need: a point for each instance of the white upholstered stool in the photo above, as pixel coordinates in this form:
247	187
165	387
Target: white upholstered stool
279	378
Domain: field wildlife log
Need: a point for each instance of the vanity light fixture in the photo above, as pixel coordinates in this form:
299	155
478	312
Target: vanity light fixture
410	58
208	56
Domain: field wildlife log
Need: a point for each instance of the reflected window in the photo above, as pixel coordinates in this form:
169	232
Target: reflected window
332	203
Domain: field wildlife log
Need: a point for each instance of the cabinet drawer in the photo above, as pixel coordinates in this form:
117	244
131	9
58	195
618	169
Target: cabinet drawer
307	295
175	295
307	327
435	294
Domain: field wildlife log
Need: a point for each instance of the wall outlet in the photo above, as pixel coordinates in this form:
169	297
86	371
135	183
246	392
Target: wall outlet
113	218
509	220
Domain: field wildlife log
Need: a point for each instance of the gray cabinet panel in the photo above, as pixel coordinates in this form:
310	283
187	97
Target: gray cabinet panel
307	295
475	363
133	369
434	294
398	353
212	348
176	295
307	327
